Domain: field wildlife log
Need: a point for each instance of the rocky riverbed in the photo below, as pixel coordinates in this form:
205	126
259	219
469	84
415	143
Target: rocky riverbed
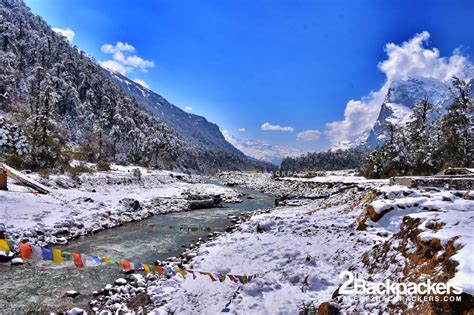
319	228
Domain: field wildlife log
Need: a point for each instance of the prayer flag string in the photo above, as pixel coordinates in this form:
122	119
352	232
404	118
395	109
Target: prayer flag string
58	256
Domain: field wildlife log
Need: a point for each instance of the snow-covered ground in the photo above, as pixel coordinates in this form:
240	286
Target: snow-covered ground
298	253
97	200
296	257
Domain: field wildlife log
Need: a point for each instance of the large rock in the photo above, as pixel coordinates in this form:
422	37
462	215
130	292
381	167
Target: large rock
140	300
328	308
374	215
201	204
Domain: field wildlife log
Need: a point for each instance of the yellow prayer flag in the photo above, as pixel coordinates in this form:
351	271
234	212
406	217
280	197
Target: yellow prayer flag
181	272
57	256
105	259
4	246
146	268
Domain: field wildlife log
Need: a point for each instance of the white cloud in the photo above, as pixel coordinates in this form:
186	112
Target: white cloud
68	33
141	82
269	127
123	61
242	129
188	109
309	135
119	46
409	59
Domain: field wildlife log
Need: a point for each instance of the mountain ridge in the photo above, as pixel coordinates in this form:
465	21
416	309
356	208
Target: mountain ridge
397	107
58	98
191	127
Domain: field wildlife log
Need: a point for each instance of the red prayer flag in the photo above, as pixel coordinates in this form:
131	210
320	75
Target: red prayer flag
212	277
160	270
231	277
25	250
126	265
77	260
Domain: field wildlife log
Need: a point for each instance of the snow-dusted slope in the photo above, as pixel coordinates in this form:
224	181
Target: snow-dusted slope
402	96
189	127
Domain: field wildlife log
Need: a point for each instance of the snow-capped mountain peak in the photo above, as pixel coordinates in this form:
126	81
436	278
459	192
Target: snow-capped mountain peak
262	150
398	105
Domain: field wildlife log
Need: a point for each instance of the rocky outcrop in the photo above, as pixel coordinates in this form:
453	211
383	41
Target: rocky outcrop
412	259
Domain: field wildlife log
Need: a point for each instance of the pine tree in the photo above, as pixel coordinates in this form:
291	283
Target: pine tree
457	128
422	136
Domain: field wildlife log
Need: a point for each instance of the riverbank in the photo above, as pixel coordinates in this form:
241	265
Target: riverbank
40	286
297	253
97	201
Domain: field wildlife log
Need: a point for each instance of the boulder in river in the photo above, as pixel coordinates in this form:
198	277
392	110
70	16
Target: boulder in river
17	262
71	293
120	281
201	204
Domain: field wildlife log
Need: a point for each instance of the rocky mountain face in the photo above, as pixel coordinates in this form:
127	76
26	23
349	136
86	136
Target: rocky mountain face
399	102
60	100
190	127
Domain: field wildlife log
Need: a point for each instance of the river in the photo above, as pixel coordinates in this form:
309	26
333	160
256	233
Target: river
40	286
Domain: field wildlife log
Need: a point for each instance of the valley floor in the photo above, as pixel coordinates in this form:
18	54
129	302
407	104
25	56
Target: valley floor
296	251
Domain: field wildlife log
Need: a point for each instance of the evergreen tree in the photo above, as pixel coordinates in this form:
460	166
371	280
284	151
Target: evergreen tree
457	128
422	135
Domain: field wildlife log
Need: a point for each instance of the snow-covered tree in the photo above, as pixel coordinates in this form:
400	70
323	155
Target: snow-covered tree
457	127
423	142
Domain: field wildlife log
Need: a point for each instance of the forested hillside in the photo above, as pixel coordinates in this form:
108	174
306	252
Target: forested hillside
189	127
327	161
56	103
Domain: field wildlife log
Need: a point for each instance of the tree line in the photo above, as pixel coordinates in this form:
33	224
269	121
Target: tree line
430	141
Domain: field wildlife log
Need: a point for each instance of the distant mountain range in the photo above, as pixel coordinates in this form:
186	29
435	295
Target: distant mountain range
260	150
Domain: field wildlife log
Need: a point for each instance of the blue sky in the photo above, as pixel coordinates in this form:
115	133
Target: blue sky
245	63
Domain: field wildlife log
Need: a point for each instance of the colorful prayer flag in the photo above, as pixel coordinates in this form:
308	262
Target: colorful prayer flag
181	272
47	253
36	252
171	271
160	270
209	274
4	246
77	258
146	268
66	255
232	278
242	279
25	250
106	260
125	264
57	257
97	260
